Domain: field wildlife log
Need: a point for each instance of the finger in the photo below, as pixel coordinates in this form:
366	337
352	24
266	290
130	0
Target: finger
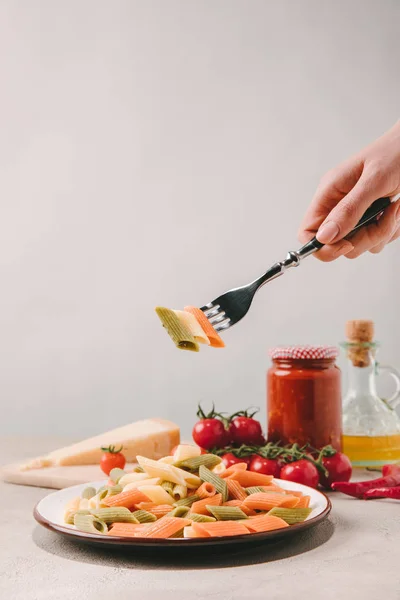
395	236
382	245
380	232
345	216
331	252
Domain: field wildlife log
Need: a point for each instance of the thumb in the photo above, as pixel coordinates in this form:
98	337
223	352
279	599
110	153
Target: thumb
346	214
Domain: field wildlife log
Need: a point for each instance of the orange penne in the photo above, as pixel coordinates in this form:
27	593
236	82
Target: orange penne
249	479
128	499
160	510
264	523
272	487
268	500
304	502
235	490
206	490
223	528
200	507
232	469
146	506
127	529
165	527
215	340
292	493
199	530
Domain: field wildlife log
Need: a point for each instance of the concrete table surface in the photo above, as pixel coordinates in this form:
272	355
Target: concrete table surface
354	554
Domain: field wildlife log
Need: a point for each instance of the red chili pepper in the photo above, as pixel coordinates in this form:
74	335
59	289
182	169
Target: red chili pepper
357	489
383	492
390	469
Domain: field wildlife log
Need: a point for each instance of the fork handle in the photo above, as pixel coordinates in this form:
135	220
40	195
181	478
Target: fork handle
368	217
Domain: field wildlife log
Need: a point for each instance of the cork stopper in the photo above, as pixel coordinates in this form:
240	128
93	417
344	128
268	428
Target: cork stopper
359	334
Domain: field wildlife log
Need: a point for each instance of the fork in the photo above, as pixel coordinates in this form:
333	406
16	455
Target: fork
231	307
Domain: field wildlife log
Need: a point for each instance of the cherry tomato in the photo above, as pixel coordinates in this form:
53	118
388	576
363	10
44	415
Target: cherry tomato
112	459
246	430
210	433
230	459
339	469
265	466
301	471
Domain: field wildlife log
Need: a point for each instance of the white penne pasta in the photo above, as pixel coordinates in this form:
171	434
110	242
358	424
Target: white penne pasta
219	469
71	508
157	494
84	504
185	451
136	484
193	325
189	532
167	460
131	477
96	502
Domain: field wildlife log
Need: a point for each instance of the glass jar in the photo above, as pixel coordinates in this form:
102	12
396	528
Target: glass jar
371	426
304	402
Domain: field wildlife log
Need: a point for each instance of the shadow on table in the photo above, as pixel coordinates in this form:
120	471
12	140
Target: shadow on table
191	559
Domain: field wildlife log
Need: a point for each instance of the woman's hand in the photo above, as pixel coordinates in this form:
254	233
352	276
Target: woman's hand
345	193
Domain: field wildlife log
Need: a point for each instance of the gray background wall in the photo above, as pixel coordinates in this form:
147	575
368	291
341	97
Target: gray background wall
160	152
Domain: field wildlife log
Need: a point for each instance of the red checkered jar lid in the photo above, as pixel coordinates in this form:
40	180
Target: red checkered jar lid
304	352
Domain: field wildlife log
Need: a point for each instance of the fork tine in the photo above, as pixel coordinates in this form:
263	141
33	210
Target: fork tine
217	318
225	324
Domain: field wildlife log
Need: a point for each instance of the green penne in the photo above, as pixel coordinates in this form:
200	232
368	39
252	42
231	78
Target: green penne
187	501
179	511
143	516
69	518
178	331
255	489
109	491
90	524
227	513
179	492
88	493
200	518
290	515
168	486
219	483
114	515
116	474
194	464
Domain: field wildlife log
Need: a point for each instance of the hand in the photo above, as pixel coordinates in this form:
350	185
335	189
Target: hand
345	193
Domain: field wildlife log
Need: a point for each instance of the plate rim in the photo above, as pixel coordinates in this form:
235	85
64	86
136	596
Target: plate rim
179	542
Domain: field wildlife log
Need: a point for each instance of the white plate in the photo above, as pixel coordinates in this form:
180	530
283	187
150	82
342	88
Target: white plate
50	510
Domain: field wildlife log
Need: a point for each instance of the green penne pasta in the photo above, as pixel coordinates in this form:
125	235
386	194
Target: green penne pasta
90	524
255	489
227	513
168	486
179	492
178	331
179	511
143	516
69	517
200	518
107	491
194	464
187	501
88	493
219	483
290	515
116	474
114	515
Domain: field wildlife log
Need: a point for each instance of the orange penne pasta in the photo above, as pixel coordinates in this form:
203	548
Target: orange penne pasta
146	506
304	502
292	493
268	500
223	528
249	479
128	499
127	529
272	487
215	340
160	510
206	490
165	527
199	530
236	492
200	507
264	523
232	469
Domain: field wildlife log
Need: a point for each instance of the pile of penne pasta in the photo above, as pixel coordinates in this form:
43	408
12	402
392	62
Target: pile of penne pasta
186	495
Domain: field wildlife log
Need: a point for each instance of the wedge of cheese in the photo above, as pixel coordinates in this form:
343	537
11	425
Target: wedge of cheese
153	438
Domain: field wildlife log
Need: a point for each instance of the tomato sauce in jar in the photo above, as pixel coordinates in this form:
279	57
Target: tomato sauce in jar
304	403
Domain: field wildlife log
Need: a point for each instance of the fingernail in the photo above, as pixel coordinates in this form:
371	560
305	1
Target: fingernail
344	248
327	232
